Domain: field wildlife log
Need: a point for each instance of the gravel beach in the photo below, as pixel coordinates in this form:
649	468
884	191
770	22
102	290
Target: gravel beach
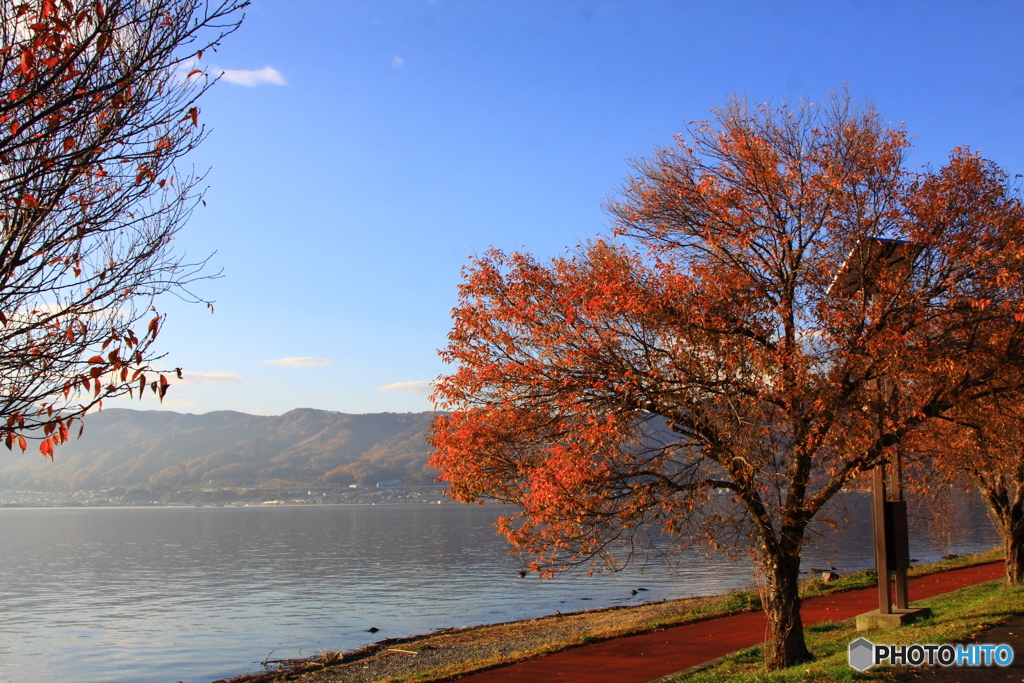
458	651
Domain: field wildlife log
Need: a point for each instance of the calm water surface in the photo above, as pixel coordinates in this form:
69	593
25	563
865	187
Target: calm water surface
157	595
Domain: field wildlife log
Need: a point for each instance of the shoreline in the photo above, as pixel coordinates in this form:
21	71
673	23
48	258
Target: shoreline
228	495
444	655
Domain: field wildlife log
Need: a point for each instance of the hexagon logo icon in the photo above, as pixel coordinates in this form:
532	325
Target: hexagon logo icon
861	655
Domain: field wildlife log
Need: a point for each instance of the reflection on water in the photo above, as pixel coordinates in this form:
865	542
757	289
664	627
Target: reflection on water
194	594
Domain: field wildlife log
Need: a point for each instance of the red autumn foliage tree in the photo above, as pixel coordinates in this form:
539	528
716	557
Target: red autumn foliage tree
982	446
979	442
709	382
96	108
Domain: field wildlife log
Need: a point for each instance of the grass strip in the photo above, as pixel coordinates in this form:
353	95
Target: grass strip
956	617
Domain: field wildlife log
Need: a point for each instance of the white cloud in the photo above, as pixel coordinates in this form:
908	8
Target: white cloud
189	378
267	75
169	403
300	362
417	388
398	63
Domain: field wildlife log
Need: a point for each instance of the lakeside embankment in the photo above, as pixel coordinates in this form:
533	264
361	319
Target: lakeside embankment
440	656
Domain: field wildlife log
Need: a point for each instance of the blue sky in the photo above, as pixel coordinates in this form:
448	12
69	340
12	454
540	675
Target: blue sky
367	148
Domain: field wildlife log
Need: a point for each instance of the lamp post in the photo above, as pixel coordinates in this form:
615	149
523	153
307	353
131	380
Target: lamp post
868	259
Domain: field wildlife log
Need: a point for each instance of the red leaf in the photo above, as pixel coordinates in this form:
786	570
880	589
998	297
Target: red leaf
28	58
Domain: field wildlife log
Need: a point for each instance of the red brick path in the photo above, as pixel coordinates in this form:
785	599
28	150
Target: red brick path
643	658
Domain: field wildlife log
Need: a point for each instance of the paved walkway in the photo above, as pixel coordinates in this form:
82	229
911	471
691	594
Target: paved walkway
643	658
1009	633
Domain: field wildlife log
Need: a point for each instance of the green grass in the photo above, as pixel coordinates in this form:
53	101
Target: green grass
741	601
867	578
956	617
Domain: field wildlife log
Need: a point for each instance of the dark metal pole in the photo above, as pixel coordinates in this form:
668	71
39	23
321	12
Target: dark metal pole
890	516
899	531
881	553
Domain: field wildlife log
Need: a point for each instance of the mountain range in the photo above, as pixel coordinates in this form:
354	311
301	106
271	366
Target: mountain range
163	450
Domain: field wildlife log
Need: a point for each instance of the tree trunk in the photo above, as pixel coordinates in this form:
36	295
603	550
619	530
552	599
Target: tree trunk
1007	512
1013	548
786	645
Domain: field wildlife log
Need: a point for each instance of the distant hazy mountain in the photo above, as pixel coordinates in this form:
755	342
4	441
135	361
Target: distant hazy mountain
161	450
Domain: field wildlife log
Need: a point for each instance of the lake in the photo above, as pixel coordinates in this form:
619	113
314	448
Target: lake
157	595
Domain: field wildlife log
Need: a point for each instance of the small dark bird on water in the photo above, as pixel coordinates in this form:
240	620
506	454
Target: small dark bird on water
372	629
